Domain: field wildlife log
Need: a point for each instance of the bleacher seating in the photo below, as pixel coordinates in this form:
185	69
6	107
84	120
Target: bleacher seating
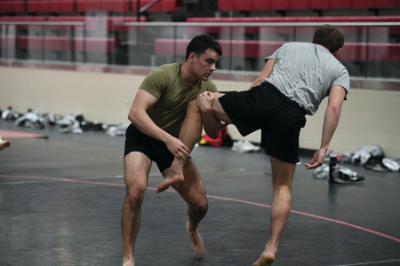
291	5
12	6
319	5
90	23
297	19
385	3
50	6
372	52
60	44
277	4
257	6
351	33
243	48
165	6
21	19
111	24
53	43
107	33
114	6
352	52
75	7
300	5
342	4
363	3
65	44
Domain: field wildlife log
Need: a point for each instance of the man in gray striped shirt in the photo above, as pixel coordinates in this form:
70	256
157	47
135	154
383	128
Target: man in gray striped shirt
292	84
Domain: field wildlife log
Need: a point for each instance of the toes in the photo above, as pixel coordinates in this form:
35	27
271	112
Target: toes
162	187
166	183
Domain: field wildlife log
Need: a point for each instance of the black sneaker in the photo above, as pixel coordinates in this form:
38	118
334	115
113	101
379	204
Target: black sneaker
342	175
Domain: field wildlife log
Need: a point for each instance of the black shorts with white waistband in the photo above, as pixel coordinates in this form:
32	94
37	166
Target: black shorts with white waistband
157	151
265	107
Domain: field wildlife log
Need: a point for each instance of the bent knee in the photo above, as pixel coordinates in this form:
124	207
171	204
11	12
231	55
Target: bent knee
209	97
201	206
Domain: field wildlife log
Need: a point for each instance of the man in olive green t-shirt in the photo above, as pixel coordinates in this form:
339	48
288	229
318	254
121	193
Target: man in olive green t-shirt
157	114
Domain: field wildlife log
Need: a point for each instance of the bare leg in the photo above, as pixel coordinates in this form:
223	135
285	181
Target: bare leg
192	191
190	134
282	174
214	116
204	109
137	167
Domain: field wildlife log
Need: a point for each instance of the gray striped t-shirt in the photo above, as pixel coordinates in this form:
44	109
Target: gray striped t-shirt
305	72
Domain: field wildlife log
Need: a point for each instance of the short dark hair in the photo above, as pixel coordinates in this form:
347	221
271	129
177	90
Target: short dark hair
329	37
200	43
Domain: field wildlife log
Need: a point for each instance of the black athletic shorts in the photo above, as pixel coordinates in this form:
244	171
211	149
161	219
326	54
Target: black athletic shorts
265	107
156	150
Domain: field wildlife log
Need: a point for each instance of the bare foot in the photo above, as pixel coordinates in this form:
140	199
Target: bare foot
264	260
4	144
197	242
167	182
128	262
173	175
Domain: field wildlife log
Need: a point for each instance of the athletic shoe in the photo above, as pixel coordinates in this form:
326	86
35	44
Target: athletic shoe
321	172
343	175
243	146
391	164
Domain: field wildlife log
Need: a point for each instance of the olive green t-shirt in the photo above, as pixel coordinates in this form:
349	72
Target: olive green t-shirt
166	84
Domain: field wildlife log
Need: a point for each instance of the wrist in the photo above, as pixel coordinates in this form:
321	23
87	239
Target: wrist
165	137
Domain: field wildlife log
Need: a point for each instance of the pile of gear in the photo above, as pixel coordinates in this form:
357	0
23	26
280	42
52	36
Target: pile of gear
75	124
371	157
224	140
336	173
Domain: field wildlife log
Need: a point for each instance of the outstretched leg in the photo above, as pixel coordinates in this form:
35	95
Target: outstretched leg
282	174
137	167
190	134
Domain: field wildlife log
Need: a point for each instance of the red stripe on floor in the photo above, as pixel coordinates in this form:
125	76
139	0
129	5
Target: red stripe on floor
228	199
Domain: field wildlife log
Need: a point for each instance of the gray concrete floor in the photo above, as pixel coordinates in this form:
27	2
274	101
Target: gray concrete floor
60	202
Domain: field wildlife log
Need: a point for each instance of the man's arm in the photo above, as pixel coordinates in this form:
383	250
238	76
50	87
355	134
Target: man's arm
139	117
331	120
265	73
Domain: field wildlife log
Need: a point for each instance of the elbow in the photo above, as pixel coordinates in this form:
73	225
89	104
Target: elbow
336	110
132	116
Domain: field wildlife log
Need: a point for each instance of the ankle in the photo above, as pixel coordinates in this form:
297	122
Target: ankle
128	261
179	163
271	248
190	227
128	258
